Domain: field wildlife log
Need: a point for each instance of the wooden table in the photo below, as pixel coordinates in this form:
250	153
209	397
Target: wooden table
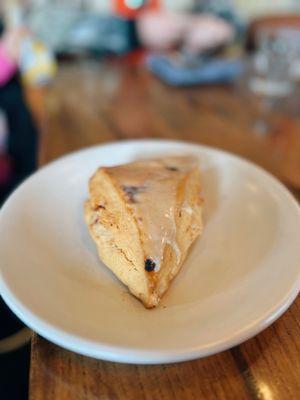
91	103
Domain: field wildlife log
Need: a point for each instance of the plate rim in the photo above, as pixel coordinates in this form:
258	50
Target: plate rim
130	355
135	355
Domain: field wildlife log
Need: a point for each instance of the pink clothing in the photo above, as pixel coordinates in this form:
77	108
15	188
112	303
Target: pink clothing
7	66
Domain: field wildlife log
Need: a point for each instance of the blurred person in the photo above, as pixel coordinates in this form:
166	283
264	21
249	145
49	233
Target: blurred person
18	149
20	141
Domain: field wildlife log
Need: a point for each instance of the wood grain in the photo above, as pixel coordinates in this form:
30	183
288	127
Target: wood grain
265	367
91	103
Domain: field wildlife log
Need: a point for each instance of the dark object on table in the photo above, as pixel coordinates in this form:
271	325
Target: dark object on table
22	138
14	356
201	71
14	370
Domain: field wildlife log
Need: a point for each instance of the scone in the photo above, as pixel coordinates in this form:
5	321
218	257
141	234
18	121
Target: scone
143	217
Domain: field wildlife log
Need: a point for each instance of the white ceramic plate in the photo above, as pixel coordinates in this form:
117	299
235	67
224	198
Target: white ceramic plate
239	277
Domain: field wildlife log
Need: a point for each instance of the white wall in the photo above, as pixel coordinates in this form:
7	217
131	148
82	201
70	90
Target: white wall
253	8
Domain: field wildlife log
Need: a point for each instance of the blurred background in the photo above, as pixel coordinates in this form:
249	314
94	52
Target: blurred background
80	72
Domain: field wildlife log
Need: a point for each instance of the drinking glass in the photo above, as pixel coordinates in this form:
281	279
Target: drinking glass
274	71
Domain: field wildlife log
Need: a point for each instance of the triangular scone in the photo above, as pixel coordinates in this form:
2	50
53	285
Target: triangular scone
144	216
